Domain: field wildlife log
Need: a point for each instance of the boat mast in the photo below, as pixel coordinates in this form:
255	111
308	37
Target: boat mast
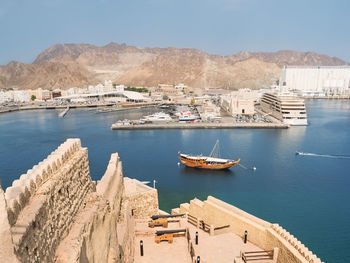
213	152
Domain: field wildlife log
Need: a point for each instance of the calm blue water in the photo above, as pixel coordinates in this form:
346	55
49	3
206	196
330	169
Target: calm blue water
309	196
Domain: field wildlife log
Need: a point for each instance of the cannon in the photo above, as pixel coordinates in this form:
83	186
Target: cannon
168	235
161	220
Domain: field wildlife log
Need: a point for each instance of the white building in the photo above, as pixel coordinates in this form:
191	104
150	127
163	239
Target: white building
108	86
284	106
14	95
100	88
239	102
327	80
96	89
119	88
180	86
4	97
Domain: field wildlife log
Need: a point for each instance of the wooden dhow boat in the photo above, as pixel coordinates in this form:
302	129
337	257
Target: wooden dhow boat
207	162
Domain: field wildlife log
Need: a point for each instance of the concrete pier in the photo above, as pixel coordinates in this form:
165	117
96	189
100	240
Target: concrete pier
63	113
200	125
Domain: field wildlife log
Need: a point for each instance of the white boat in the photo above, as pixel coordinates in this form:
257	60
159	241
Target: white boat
285	107
158	116
187	116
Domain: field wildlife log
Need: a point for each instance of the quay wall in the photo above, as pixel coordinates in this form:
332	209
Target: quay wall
200	125
261	233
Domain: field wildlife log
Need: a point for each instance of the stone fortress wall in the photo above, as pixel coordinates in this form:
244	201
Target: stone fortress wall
56	213
261	233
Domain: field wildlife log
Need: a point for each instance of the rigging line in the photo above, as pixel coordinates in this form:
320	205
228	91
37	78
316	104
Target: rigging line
214	150
241	165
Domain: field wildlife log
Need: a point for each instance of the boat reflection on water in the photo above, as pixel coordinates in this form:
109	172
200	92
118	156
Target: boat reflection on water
195	171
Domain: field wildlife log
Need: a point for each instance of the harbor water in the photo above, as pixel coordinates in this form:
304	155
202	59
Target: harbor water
306	194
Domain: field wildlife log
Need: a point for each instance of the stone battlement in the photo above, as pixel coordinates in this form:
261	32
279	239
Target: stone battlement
295	243
22	189
261	233
56	213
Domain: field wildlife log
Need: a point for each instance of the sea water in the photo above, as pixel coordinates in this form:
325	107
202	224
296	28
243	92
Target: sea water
307	195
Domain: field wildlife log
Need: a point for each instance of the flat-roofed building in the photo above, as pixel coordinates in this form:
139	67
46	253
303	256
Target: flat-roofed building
239	102
328	80
167	89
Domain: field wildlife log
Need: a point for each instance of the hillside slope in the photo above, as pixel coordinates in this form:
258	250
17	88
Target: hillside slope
68	65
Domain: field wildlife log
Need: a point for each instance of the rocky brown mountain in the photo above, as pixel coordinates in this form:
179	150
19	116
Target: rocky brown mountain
47	75
68	65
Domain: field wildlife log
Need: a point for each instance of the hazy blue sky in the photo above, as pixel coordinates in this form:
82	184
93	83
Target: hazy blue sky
216	26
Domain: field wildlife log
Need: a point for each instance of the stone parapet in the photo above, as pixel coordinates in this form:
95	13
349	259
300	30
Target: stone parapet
44	202
261	233
22	189
56	213
292	241
98	233
6	245
143	200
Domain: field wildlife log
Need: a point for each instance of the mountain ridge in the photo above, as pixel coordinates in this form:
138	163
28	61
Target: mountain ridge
67	65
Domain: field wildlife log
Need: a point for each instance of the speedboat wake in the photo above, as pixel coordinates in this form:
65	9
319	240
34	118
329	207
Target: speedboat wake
324	155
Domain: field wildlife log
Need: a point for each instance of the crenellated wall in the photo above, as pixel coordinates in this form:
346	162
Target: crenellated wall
22	189
96	235
42	204
56	213
262	233
6	245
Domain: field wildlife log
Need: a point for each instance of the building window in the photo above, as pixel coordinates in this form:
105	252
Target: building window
242	111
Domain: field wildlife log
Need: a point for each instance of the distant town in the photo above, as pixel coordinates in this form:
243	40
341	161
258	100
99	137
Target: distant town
282	103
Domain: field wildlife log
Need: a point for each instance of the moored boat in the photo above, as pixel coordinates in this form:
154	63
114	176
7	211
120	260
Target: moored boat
158	116
207	162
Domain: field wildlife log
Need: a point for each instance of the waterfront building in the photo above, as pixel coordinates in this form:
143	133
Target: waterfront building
31	93
56	93
119	88
317	80
39	94
285	106
95	89
180	86
239	102
4	97
108	86
113	96
20	96
167	89
72	91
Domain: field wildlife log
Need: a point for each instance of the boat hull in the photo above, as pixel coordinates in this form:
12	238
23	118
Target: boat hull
202	164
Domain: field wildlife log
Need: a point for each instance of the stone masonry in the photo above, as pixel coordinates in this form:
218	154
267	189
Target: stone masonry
56	213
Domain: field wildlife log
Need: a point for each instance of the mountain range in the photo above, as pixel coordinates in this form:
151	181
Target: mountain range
78	65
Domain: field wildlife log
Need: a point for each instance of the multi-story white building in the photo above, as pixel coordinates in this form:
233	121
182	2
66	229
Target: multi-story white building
284	106
326	80
20	96
119	88
4	97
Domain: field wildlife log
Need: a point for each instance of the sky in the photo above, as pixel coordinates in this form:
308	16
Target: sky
223	27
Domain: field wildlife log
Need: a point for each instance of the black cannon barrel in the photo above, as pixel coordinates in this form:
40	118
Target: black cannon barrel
162	232
154	217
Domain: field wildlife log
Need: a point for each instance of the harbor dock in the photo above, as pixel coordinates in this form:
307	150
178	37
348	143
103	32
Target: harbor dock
63	113
199	125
